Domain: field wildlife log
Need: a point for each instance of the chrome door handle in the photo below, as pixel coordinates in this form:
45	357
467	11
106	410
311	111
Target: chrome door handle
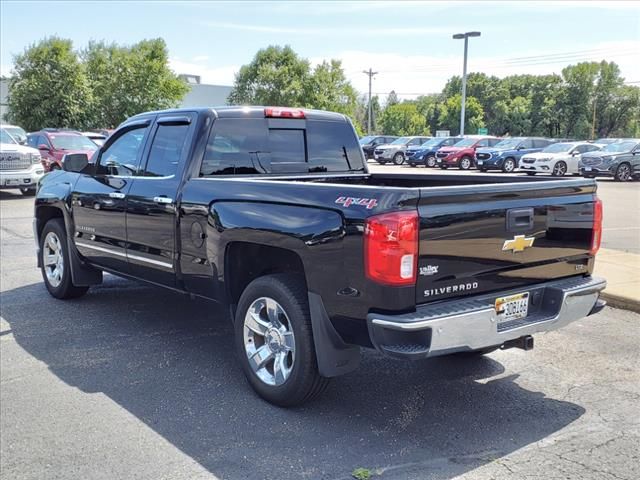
163	200
116	195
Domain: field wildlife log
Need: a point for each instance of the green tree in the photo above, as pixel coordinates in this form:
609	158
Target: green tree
403	119
327	88
276	76
392	99
429	106
449	116
127	80
361	114
49	87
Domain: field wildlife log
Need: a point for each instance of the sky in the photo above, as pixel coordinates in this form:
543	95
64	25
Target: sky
408	43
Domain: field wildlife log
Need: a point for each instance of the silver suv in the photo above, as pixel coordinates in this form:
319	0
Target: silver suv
394	151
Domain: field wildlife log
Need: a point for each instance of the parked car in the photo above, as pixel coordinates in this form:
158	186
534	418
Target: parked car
323	258
18	133
54	144
462	154
506	154
20	166
394	151
370	143
558	159
96	138
606	141
426	153
412	149
620	160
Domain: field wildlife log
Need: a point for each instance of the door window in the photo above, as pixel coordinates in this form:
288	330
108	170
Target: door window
524	144
483	143
121	158
166	150
539	143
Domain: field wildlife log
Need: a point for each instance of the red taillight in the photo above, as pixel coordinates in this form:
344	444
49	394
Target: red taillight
596	234
391	248
278	112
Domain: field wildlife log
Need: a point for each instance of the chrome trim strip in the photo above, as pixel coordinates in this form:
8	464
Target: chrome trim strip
126	255
409	326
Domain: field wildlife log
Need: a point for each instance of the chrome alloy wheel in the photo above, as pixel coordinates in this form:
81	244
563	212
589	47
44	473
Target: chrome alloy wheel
559	169
53	259
269	341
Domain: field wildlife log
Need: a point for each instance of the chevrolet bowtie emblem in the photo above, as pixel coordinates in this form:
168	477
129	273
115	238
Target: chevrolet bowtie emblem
518	244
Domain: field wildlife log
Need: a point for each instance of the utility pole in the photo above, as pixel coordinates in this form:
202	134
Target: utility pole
593	123
459	36
370	73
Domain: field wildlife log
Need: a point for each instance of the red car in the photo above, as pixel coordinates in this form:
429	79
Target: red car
462	154
55	144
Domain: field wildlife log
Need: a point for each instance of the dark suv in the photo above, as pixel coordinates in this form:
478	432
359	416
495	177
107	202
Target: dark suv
55	144
370	143
506	155
620	160
426	153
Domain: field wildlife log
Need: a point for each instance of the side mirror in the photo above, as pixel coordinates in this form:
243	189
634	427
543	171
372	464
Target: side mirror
75	162
42	146
574	153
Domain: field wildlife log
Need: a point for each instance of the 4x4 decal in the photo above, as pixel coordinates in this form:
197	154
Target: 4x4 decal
364	202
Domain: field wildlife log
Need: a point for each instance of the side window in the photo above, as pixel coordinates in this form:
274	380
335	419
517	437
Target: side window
483	143
166	150
332	147
527	143
537	143
415	141
236	146
32	141
494	141
121	158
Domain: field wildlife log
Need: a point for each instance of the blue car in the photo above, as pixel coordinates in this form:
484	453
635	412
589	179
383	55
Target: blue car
506	155
425	154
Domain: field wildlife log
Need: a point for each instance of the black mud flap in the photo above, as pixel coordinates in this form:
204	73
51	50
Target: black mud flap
334	356
82	275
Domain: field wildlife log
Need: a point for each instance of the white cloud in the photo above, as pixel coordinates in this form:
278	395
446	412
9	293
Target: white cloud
200	58
211	75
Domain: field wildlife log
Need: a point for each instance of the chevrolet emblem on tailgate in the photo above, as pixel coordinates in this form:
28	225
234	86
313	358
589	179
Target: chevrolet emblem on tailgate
518	244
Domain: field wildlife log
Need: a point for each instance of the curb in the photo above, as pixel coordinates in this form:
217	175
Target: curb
619	301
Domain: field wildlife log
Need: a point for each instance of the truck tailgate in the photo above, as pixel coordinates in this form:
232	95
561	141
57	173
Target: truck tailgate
495	237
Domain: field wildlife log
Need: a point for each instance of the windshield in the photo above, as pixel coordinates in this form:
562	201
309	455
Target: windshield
467	142
401	141
620	147
72	142
366	140
17	133
434	142
508	143
558	148
605	141
6	138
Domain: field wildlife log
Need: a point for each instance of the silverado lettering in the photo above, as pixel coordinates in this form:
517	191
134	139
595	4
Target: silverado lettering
237	205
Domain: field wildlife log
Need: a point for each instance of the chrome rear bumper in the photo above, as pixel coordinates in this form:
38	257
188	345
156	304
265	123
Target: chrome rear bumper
471	323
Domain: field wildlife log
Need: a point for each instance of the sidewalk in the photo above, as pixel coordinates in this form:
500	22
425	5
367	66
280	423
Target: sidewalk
622	272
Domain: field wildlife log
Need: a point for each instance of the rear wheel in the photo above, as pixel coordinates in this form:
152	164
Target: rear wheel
56	267
531	173
465	163
623	173
398	159
431	161
275	343
509	165
412	165
483	170
559	169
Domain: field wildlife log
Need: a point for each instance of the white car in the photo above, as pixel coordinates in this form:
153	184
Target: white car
96	138
558	159
20	166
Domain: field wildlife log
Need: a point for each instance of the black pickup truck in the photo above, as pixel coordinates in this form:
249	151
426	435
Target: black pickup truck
271	212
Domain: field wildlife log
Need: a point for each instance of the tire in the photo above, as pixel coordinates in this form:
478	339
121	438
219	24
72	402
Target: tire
623	173
559	169
28	192
412	165
431	161
509	165
443	167
531	173
398	159
57	275
483	170
287	341
465	163
381	162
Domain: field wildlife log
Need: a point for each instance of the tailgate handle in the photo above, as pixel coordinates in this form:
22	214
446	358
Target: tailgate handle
519	219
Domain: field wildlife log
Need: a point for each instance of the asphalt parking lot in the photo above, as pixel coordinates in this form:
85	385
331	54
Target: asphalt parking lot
135	382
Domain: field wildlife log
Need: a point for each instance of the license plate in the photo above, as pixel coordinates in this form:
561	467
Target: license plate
587	169
512	307
480	162
11	182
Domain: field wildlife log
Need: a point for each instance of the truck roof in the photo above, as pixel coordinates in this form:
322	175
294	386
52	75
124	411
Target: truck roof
238	111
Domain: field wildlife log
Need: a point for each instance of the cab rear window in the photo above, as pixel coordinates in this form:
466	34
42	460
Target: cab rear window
254	146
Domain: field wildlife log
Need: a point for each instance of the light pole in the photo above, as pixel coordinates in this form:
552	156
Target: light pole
460	36
370	73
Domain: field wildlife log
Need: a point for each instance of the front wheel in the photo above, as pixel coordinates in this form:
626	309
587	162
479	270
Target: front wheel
465	163
483	170
56	267
274	341
623	173
398	159
413	165
28	191
559	169
431	161
509	165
